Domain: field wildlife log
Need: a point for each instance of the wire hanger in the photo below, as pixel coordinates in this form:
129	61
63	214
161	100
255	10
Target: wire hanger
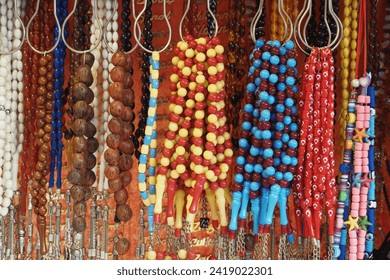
23	32
115	9
255	20
95	12
137	38
299	32
28	27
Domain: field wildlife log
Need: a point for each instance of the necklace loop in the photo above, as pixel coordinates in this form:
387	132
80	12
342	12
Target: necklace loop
137	25
23	32
66	21
255	20
182	19
28	27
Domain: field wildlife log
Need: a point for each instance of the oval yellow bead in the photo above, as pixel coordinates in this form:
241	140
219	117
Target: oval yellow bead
200	79
178	109
190	53
212	70
174	174
351	118
180	168
220	67
348	144
173	126
228	153
212	118
190	103
199	169
183	132
182	92
345	94
192	85
211	53
164	161
210	175
199	96
211	137
199	115
207	155
219	49
197	132
174	78
180	64
183	46
344	73
200	57
344	83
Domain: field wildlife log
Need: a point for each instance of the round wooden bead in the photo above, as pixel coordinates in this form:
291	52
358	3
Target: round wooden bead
79	208
80	109
79	144
92	145
126	147
125	162
114	141
89	178
127	130
77	192
88	59
90	161
112	156
116	108
79	127
122	246
75	176
121	59
115	184
128	97
84	75
121	196
126	178
115	125
118	74
78	161
111	172
90	130
124	212
127	114
82	93
116	91
79	224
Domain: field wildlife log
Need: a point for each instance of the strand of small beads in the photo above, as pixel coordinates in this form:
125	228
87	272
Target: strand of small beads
148	149
147	34
259	29
59	73
210	21
357	220
267	153
314	185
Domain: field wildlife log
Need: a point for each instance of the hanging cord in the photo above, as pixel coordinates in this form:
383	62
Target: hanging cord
362	39
212	25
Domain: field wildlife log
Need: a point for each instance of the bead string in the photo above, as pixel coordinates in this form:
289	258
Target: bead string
56	137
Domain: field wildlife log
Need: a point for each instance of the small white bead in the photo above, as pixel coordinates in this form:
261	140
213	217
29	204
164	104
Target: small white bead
6	202
3	211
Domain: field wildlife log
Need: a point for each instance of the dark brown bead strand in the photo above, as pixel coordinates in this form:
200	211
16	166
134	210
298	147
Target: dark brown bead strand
43	122
84	144
120	141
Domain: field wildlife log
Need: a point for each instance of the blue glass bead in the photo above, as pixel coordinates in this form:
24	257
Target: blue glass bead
273	78
141	177
294	110
254	129
265	115
268	153
153	153
254	151
256	113
240	160
282	51
286	159
294	161
251	56
276	162
258	168
144	195
154	83
249	168
238	178
143	158
345	168
243	143
270	42
288	176
251	87
270	171
149	121
274	60
293	143
289	102
257	81
252	70
152	102
291	62
258	134
266	56
282	69
266	134
279	126
155	64
279	108
271	99
278	175
293	127
248	108
259	43
257	63
287	120
290	238
295	88
152	171
264	74
289	45
277	144
246	126
281	87
277	44
254	186
285	138
290	81
263	95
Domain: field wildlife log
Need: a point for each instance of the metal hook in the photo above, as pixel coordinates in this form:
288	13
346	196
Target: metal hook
112	16
214	19
28	27
166	20
340	32
67	19
23	32
182	19
255	20
285	16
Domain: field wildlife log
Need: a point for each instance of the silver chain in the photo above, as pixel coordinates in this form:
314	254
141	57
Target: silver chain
282	247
